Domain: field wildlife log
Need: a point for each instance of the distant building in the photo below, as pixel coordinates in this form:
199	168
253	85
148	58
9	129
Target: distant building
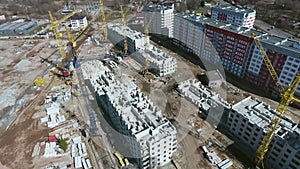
249	120
17	28
161	63
234	15
135	40
78	22
148	136
160	19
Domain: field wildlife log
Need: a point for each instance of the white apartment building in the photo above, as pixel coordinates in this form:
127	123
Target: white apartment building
78	22
234	15
149	136
210	103
160	63
248	121
160	19
135	40
189	32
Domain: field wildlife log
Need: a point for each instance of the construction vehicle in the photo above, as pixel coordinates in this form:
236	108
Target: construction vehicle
125	35
39	81
287	98
103	19
66	71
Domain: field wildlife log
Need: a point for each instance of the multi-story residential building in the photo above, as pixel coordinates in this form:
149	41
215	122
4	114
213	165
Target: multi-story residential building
149	137
249	120
234	15
160	19
235	48
189	32
161	63
135	40
78	22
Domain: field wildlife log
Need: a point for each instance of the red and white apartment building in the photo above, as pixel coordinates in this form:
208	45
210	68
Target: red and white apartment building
234	47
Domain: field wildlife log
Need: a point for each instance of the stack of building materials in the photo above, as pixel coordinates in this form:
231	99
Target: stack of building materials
79	153
50	149
225	164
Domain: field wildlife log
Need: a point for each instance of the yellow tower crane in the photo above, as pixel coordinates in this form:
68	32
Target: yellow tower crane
70	37
58	34
287	98
103	19
124	33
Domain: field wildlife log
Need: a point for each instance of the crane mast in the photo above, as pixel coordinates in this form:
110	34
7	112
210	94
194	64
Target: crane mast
58	35
103	19
125	36
287	98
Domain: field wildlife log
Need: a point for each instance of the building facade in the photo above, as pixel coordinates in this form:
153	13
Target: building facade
160	63
234	15
160	19
235	48
135	40
78	22
248	121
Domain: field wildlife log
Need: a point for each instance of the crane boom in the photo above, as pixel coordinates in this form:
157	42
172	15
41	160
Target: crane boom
268	63
125	36
58	35
287	98
103	19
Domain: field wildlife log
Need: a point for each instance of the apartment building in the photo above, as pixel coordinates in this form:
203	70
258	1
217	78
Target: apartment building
234	15
248	121
189	31
135	40
78	22
160	19
161	63
149	137
235	48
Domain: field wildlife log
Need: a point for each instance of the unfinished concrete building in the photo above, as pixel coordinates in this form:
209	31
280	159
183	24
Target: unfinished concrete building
211	105
161	63
249	120
135	40
149	136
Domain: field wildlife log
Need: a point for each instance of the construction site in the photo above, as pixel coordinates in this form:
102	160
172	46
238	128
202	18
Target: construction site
136	85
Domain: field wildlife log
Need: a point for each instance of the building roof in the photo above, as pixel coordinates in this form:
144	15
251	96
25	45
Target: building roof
119	28
150	7
77	17
214	75
232	9
156	55
261	114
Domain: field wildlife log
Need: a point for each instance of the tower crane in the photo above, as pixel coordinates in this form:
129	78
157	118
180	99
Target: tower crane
287	98
124	33
103	19
58	35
